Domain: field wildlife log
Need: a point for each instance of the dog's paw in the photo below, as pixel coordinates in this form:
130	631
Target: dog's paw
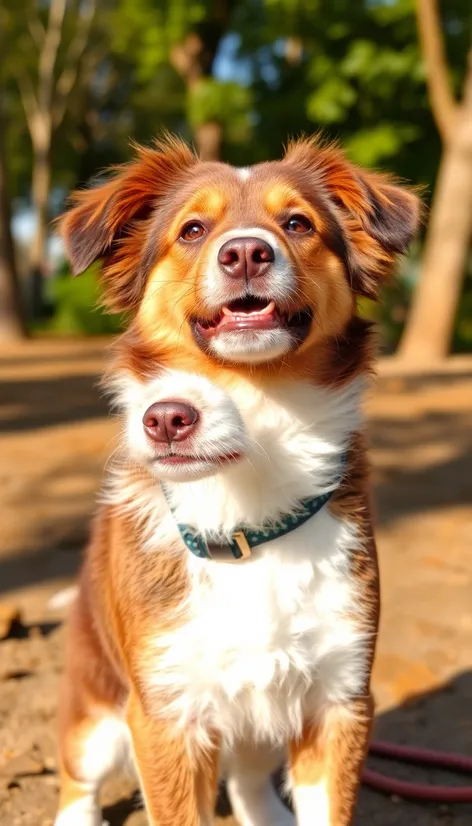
72	817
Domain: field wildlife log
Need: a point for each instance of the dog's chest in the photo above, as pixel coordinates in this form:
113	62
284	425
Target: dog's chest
266	641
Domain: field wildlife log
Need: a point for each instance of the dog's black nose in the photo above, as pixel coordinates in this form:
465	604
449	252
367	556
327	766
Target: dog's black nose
169	421
245	258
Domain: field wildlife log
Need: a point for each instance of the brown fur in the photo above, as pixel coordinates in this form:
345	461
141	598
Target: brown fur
127	598
178	787
124	597
352	500
334	752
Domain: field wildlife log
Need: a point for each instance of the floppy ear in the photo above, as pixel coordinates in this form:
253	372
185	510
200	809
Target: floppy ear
110	221
378	217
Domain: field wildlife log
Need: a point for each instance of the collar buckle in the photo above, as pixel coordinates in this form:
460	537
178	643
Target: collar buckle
243	545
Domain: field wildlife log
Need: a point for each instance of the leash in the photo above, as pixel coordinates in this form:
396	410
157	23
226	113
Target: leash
419	791
239	546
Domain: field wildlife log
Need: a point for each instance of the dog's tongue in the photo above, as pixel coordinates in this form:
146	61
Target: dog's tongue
248	313
245	310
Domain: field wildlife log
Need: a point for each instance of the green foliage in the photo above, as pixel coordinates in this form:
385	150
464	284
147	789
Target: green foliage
391	311
462	339
224	102
148	29
331	100
359	76
382	143
355	71
76	306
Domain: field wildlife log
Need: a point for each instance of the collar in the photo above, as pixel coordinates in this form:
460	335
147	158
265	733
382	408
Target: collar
245	538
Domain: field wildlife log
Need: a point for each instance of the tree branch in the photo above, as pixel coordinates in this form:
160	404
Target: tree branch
467	89
68	76
36	28
48	54
28	99
443	104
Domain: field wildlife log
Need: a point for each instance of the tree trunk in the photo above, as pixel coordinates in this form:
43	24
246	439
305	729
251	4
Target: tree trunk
430	324
208	139
12	324
41	181
193	59
441	98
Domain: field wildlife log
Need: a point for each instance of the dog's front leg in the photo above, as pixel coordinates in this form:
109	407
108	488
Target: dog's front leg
178	780
326	764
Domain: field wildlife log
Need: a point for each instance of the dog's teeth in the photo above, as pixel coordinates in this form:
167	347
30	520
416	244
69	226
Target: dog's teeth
241	313
267	310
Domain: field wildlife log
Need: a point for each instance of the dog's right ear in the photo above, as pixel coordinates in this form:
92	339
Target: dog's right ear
117	210
88	228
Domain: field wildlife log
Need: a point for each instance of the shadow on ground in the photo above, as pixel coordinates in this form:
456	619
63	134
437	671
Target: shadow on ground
54	437
440	719
38	356
422	458
39	403
427	463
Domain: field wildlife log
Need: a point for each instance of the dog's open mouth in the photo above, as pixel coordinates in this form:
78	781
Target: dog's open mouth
252	314
185	459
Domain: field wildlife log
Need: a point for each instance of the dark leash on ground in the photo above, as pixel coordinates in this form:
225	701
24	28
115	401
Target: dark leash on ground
419	791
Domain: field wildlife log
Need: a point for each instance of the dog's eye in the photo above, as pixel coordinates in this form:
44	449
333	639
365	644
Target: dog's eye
192	231
299	224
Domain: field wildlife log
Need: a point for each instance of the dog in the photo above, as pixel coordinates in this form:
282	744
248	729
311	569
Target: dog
228	605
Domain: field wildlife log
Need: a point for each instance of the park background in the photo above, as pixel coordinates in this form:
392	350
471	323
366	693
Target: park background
391	80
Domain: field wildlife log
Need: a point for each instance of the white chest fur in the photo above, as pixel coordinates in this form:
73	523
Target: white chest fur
260	644
268	641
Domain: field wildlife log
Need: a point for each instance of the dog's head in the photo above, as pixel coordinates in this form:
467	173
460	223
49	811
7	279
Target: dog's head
248	265
228	271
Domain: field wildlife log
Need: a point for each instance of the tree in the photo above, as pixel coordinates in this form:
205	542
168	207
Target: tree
45	98
11	316
193	58
428	332
235	77
187	37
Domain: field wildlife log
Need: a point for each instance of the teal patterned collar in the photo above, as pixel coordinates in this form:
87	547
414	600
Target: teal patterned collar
244	539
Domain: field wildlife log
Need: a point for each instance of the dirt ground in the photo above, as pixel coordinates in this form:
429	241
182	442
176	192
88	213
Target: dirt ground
55	435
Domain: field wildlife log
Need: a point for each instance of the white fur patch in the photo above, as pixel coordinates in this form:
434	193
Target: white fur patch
254	346
250	787
63	599
268	642
220	430
312	805
217	290
215	286
260	644
106	748
82	812
243	172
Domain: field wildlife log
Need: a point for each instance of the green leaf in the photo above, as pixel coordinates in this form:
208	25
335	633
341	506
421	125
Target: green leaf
226	103
370	147
331	101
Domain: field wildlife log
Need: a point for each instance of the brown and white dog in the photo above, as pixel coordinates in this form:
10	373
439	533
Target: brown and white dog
240	380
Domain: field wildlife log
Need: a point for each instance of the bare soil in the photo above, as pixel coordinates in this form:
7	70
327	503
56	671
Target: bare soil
55	436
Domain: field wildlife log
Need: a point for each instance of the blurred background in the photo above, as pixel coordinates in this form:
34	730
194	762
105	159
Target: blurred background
80	78
392	81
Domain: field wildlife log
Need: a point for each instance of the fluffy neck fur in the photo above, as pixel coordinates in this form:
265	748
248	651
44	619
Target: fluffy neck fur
295	433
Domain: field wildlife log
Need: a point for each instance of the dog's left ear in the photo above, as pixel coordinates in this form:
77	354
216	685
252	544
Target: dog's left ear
378	217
